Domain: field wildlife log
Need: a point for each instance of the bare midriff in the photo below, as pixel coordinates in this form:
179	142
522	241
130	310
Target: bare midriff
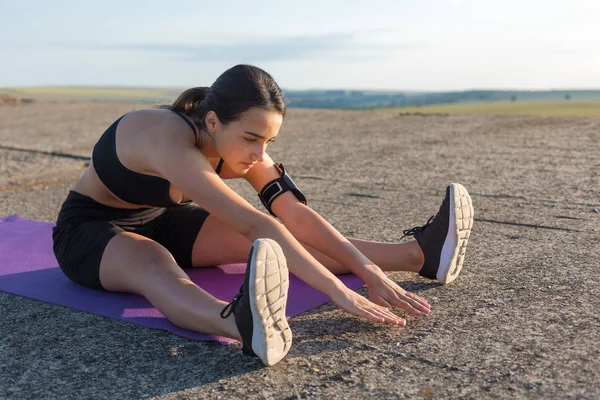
89	184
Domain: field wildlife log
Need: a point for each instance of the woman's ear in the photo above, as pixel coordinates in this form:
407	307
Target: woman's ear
212	121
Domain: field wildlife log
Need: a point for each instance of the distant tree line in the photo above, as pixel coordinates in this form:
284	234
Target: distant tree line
374	99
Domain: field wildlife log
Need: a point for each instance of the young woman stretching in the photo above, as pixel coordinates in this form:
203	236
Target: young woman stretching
153	202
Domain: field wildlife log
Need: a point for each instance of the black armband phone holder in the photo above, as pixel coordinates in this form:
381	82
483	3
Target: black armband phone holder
277	187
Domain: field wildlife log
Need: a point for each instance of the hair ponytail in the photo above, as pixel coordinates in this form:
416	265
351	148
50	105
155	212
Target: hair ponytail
190	101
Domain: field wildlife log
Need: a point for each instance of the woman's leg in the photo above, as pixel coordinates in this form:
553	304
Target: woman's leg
135	264
406	256
217	244
220	244
387	256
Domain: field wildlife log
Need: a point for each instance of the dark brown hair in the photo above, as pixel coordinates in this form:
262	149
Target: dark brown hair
235	91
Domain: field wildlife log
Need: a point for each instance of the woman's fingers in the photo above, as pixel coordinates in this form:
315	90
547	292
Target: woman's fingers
378	316
414	305
380	301
414	302
382	314
418	299
371	316
367	309
413	296
395	295
360	306
391	318
406	305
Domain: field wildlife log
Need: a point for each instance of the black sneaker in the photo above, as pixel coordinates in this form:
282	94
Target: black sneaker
259	307
443	239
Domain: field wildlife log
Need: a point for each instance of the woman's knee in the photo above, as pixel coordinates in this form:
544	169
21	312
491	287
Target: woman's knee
133	263
217	243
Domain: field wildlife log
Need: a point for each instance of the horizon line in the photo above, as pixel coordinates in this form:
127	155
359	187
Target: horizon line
182	88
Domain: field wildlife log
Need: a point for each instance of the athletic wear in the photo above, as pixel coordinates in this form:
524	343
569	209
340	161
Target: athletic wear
85	227
259	307
443	239
275	188
128	185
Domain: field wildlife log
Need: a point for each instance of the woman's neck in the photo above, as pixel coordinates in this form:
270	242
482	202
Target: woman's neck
206	145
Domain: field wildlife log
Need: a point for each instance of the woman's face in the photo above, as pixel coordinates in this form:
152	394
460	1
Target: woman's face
243	143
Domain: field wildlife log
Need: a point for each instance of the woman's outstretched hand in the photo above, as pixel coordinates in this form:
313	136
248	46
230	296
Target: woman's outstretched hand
358	305
385	292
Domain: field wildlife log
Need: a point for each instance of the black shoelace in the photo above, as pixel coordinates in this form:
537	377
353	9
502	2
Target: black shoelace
417	229
229	308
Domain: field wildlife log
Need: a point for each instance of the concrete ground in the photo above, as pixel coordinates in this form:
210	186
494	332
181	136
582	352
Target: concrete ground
521	321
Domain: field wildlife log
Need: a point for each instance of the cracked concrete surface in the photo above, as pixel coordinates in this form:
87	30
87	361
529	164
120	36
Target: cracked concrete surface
521	321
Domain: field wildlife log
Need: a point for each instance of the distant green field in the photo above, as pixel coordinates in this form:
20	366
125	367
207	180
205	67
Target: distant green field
582	103
564	107
95	93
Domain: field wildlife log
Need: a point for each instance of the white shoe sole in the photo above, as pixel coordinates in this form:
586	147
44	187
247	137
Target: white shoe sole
269	283
459	231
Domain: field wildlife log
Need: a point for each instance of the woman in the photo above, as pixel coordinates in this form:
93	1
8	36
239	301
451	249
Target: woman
128	225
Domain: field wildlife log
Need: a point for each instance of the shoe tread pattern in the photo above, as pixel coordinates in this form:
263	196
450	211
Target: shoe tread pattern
271	284
464	212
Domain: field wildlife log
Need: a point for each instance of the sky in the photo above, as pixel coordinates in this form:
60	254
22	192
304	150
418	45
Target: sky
413	45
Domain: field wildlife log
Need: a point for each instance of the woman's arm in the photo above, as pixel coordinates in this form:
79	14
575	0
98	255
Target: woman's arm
312	229
307	226
178	161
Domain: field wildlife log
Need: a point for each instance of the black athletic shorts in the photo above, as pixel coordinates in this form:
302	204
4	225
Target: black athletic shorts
84	228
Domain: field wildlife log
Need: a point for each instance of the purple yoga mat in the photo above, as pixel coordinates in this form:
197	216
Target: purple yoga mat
28	268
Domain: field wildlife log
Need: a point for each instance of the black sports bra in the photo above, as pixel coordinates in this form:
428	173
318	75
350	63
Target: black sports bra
128	185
